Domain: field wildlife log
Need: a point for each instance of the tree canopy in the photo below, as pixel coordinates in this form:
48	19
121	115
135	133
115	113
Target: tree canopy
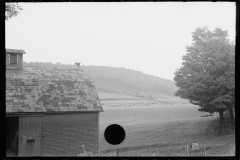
12	9
207	75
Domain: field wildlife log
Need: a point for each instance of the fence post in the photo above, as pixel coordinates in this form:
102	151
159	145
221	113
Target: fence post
117	152
187	149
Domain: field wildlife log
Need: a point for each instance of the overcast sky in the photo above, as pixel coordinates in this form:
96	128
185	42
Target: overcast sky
147	37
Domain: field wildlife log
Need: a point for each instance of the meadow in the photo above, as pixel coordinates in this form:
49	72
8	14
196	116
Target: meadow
160	127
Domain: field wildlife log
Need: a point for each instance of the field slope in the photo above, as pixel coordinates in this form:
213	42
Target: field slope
162	128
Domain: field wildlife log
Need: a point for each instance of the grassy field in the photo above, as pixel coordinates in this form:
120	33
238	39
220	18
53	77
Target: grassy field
161	128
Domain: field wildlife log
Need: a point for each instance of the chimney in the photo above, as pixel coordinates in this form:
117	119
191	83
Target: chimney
78	65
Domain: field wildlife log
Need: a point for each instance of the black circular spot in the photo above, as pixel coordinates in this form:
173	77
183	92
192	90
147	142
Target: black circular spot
114	134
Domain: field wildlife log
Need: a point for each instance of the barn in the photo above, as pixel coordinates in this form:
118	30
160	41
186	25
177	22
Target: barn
49	112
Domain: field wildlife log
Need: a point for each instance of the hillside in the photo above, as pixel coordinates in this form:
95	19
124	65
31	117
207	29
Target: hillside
125	80
121	80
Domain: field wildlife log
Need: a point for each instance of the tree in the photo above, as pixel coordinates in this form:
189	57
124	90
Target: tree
207	75
12	9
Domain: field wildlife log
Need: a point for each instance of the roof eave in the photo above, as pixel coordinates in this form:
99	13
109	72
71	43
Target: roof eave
16	51
51	112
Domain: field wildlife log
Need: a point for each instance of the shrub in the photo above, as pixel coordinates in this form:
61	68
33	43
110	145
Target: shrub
88	153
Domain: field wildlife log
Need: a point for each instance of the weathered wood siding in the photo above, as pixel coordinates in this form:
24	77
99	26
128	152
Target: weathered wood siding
63	134
7	59
20	60
29	136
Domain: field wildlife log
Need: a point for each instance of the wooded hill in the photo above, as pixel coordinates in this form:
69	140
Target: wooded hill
121	80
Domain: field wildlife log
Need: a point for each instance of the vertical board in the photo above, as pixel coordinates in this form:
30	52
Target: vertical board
99	134
7	59
29	136
20	59
64	134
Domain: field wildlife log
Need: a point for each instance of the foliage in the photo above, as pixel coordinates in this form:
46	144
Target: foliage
120	80
88	153
85	154
207	75
12	9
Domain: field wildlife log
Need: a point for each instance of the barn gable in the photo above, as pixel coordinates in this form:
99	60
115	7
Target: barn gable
49	112
38	89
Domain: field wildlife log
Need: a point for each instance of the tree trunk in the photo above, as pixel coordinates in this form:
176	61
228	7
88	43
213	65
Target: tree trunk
221	120
232	120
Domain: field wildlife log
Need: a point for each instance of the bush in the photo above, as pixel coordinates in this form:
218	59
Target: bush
87	153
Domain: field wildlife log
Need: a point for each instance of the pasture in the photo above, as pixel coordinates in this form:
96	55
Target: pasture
157	128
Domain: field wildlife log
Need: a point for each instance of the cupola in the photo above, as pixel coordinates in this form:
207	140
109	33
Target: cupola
14	58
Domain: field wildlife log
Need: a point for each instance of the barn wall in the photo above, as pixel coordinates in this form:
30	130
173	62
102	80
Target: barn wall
63	134
29	136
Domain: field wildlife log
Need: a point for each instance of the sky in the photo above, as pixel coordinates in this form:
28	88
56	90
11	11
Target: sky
149	37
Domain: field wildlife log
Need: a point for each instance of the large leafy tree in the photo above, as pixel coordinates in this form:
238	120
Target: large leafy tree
207	75
11	9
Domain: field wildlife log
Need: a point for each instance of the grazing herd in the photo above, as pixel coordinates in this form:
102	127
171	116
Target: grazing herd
142	104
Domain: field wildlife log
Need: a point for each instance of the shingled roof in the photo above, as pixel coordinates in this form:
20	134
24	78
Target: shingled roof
38	89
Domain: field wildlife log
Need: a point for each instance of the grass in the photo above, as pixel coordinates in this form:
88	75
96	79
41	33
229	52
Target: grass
162	129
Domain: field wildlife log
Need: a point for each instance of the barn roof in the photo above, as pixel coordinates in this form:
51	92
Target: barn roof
38	89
